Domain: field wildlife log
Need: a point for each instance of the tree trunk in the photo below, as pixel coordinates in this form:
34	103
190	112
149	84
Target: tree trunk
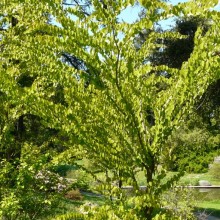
148	212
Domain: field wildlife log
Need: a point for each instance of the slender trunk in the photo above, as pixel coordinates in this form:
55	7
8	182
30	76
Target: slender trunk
20	129
120	184
14	21
148	212
19	125
119	181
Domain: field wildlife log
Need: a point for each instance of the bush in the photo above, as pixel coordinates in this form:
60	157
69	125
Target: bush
193	163
50	182
214	170
74	195
30	192
63	169
82	179
192	149
179	203
188	182
9	206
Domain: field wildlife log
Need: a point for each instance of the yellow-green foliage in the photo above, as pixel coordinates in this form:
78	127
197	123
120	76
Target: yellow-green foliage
104	115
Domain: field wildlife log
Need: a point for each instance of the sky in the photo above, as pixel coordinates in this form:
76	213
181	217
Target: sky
131	13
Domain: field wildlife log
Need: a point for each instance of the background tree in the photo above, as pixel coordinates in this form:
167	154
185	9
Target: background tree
174	52
26	141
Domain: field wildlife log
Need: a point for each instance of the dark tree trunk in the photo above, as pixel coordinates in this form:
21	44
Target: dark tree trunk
148	212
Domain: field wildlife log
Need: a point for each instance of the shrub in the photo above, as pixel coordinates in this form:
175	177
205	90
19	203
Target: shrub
214	170
63	169
30	192
49	181
74	195
188	181
82	179
9	207
193	163
179	203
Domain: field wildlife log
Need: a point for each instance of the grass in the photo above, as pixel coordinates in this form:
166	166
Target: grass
193	179
210	207
210	202
71	207
207	201
188	179
215	204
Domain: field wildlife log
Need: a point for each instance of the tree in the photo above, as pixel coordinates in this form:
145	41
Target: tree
19	129
110	119
173	52
24	127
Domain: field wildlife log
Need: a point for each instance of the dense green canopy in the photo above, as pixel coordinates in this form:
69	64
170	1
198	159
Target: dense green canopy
101	110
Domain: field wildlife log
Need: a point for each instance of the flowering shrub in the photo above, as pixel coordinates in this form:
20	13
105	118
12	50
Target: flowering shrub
51	182
37	194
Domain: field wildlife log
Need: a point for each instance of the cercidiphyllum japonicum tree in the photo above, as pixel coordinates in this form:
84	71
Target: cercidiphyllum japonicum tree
109	119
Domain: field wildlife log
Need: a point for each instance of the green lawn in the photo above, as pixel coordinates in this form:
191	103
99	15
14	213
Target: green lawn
193	179
72	207
208	201
187	179
211	207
